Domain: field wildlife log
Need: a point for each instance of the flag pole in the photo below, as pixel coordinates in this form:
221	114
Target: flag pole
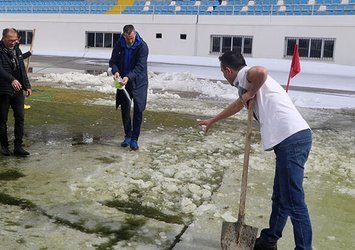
289	79
31	46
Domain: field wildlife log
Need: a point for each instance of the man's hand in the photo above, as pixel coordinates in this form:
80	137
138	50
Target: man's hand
28	92
125	80
16	85
116	76
206	124
246	97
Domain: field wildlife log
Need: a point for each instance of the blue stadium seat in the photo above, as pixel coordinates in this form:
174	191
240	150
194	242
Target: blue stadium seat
233	7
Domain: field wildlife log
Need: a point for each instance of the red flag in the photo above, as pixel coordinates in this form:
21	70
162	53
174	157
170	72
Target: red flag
295	66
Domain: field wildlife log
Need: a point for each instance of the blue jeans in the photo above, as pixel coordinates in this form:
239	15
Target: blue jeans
288	197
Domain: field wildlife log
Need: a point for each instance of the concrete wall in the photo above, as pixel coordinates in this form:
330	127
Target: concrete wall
65	34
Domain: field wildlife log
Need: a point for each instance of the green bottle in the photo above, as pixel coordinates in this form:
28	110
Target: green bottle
118	84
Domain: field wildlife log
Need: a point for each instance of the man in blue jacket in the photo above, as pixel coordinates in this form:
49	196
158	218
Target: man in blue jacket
13	81
129	65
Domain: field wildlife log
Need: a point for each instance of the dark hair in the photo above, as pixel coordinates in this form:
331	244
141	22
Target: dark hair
128	29
232	60
8	30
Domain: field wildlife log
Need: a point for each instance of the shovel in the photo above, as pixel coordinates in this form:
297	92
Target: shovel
237	235
118	85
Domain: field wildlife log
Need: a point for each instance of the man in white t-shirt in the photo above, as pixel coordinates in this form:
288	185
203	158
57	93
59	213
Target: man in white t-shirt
284	131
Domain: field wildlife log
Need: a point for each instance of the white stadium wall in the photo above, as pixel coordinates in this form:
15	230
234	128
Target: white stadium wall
65	34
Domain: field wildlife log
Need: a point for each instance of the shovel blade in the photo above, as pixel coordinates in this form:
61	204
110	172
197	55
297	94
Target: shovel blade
238	236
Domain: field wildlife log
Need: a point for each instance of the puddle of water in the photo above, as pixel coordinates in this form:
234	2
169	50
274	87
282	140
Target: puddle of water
135	207
10	174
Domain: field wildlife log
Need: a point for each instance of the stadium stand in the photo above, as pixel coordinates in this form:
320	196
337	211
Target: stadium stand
242	7
56	6
181	7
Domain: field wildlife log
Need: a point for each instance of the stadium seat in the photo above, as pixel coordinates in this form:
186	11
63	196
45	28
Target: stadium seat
184	7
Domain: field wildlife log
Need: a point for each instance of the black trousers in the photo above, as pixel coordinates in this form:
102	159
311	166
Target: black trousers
16	102
131	129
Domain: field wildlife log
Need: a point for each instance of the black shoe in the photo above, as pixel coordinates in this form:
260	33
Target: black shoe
20	151
5	151
261	244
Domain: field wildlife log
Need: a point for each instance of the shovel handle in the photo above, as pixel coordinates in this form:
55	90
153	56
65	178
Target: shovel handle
127	95
31	46
243	192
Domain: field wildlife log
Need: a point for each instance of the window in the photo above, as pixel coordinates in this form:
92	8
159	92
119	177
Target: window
25	36
313	48
241	44
328	50
290	46
226	44
216	44
101	39
158	35
108	40
183	36
303	47
316	48
248	44
237	44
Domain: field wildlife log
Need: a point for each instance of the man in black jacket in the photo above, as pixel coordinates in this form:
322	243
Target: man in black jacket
13	81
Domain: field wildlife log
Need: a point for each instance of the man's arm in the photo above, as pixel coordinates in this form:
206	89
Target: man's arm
113	63
6	75
230	110
256	76
15	84
26	55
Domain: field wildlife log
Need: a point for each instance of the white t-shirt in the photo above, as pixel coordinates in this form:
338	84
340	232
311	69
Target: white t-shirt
276	114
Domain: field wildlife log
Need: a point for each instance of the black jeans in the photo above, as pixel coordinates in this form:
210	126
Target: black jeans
131	130
16	102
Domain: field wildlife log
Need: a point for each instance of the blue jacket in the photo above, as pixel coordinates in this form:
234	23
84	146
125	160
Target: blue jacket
131	62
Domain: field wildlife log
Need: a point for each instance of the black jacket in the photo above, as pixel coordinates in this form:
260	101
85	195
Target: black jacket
7	74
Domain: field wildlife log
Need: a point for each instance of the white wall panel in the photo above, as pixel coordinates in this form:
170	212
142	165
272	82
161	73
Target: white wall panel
65	34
